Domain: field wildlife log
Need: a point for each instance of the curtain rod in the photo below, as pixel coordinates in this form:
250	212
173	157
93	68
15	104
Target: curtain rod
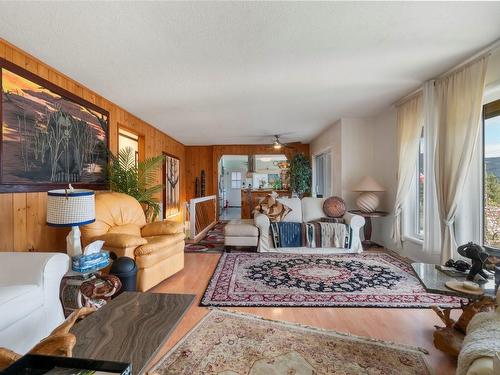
477	55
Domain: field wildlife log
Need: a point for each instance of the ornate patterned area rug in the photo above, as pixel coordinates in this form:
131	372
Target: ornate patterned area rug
348	280
239	344
212	243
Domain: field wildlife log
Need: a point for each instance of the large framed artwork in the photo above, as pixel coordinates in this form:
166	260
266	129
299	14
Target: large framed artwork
171	189
49	137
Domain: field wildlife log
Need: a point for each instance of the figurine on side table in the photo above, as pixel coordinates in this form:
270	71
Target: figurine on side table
479	258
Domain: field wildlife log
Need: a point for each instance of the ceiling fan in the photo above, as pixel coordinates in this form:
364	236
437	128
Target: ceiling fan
277	144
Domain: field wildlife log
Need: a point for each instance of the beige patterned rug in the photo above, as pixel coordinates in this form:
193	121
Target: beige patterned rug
228	343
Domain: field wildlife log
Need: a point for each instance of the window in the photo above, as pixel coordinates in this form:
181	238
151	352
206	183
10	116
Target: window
420	178
128	139
491	174
235	180
414	212
323	174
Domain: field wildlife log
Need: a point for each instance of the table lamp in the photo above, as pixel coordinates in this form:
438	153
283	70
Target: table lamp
368	201
71	208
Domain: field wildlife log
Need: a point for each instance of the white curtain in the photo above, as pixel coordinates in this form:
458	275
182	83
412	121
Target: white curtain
409	129
432	228
458	99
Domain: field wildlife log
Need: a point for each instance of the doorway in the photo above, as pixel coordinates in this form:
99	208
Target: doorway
233	170
323	174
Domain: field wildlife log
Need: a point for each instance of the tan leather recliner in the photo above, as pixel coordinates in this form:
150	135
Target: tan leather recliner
158	248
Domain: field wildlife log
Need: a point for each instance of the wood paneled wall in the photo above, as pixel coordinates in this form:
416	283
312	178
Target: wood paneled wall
206	158
22	219
199	158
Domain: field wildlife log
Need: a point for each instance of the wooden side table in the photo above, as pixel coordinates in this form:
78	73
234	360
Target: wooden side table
367	242
449	338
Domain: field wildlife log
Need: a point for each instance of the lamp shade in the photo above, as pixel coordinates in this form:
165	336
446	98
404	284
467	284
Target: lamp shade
70	207
368	183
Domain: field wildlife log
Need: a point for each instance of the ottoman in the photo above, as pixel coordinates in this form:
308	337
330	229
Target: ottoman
240	232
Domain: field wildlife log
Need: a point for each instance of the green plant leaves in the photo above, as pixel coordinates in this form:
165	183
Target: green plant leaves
136	179
300	174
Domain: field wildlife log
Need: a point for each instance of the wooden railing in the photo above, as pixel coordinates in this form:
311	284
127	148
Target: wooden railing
202	216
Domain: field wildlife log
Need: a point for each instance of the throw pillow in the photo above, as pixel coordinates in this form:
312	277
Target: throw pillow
273	209
295	205
334	207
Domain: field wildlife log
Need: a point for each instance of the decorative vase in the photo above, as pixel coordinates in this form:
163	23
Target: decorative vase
367	201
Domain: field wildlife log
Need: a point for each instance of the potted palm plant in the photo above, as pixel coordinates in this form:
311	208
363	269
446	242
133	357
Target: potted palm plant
136	178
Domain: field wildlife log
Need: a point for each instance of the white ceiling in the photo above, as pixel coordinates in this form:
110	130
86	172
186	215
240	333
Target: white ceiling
230	73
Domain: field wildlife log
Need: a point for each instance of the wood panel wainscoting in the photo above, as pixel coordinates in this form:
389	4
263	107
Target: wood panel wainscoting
23	214
202	216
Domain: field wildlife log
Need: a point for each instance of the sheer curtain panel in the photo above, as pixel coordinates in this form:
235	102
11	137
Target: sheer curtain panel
458	100
409	128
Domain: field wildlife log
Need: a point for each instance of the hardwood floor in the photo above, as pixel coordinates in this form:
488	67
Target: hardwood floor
407	326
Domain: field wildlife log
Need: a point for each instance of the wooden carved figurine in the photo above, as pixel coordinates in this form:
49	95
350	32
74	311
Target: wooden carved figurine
478	257
449	339
59	343
197	192
203	183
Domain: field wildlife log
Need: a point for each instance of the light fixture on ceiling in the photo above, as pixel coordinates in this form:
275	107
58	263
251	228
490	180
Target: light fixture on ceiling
276	143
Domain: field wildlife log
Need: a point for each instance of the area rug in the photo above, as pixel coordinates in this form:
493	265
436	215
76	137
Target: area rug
228	343
349	280
213	242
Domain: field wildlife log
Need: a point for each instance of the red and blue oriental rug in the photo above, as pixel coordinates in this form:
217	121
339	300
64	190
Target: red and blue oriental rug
347	280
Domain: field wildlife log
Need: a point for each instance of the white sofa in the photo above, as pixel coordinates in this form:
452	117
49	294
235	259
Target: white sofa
305	210
29	297
481	344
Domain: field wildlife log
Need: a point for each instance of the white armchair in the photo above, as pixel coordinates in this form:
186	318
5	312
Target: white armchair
29	297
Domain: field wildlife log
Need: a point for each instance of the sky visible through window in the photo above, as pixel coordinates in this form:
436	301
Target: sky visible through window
492	181
492	137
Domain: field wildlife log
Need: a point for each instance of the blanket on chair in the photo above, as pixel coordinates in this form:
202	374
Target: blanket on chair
315	234
286	234
327	234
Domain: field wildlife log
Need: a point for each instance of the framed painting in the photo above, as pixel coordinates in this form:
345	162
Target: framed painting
50	137
171	190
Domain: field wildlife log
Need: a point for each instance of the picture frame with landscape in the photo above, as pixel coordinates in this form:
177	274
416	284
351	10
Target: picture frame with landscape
171	186
50	137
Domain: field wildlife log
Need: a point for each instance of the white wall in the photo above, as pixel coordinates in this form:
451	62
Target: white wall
353	149
330	139
357	156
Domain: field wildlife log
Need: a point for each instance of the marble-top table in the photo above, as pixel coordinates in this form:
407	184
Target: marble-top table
131	328
434	281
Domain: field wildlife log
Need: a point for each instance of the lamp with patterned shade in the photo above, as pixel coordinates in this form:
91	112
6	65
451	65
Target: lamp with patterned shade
368	201
71	208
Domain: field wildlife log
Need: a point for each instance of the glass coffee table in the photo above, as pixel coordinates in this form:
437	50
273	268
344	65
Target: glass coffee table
433	280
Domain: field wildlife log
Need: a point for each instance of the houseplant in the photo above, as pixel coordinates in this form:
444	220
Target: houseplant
137	179
300	173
